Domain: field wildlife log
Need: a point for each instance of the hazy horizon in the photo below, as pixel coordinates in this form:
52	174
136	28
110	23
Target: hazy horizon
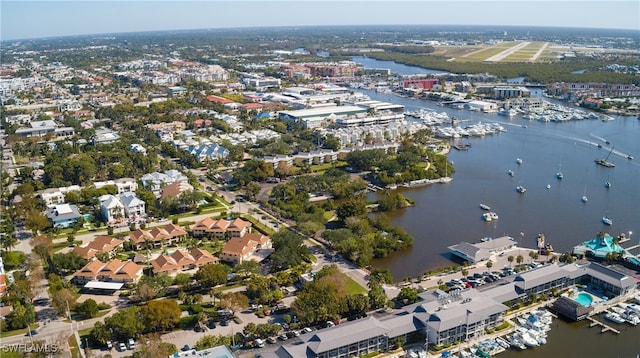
27	19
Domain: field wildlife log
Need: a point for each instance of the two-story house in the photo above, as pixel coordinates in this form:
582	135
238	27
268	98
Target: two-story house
100	245
240	249
157	237
220	229
113	271
62	215
133	207
181	260
111	208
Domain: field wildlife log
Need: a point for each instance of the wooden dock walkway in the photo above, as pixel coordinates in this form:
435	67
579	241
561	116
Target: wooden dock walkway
595	322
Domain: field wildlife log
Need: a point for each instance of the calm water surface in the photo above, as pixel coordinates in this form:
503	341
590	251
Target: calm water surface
446	214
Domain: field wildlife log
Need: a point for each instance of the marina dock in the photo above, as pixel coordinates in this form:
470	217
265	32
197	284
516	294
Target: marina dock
605	327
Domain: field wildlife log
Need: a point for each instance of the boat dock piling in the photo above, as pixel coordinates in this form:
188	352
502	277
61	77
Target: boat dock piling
595	322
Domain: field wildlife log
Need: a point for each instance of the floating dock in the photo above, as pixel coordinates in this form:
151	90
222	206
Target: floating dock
605	327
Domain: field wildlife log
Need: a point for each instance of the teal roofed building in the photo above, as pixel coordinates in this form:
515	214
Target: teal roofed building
599	247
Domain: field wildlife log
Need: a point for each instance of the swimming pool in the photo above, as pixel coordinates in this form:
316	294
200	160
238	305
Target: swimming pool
584	299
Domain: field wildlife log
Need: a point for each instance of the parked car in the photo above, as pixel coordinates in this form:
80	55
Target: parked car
109	345
307	330
122	347
131	344
259	343
283	337
271	340
185	348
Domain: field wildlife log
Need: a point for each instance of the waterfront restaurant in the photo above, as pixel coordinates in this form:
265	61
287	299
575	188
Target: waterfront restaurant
482	250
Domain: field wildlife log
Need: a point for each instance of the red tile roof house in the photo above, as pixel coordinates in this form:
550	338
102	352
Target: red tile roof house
217	99
182	260
239	249
220	229
101	244
112	271
251	106
157	237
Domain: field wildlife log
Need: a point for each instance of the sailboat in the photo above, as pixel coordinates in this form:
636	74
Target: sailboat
607	220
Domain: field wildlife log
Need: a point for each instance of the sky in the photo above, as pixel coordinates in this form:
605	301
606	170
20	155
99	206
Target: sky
23	19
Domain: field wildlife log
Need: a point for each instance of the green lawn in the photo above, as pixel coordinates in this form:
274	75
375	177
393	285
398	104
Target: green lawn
75	349
352	287
16	332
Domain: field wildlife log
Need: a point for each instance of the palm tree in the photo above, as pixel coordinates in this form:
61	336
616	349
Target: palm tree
489	264
510	259
519	259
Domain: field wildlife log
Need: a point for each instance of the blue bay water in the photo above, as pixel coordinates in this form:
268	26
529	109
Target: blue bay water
446	214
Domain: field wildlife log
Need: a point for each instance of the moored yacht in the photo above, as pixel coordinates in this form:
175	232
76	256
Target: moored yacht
485	207
486	217
607	220
520	189
614	317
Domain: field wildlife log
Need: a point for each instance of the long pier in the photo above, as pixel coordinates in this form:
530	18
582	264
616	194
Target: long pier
605	327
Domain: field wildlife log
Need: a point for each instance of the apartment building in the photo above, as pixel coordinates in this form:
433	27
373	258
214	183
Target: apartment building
100	245
220	229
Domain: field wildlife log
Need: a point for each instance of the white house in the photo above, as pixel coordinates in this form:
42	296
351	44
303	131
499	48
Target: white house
123	185
133	207
137	148
111	208
156	181
63	215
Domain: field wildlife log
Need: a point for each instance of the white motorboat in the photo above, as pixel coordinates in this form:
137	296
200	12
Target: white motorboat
630	317
486	217
528	340
584	199
485	207
503	343
548	186
607	220
519	160
520	189
493	215
511	173
631	306
516	341
614	317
